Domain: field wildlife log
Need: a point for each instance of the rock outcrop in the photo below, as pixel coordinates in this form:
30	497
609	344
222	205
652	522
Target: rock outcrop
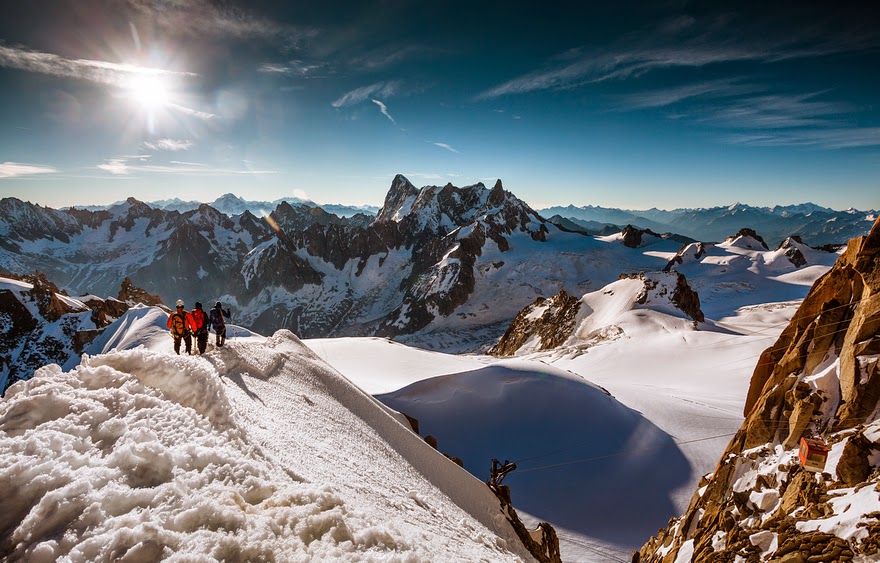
550	320
40	324
748	235
131	295
821	378
792	252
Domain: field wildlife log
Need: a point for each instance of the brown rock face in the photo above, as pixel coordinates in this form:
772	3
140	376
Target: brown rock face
632	237
45	295
841	314
834	335
687	299
132	295
750	233
553	327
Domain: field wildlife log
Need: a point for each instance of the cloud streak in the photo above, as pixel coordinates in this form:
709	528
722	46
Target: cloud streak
680	44
669	96
101	72
15	169
203	115
173	145
384	109
296	68
833	138
445	146
219	19
121	167
777	112
385	89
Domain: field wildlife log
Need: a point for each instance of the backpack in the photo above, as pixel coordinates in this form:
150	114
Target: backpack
199	321
178	324
217	318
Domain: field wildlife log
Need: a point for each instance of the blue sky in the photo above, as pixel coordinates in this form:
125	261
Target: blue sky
627	104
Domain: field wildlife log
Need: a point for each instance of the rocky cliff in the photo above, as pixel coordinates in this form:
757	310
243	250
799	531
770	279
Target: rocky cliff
820	379
40	324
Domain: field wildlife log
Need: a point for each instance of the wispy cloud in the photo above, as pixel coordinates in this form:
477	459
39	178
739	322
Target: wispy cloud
116	166
222	19
682	43
385	89
121	167
15	169
203	115
833	138
384	109
296	68
445	146
102	72
389	56
169	145
777	112
669	96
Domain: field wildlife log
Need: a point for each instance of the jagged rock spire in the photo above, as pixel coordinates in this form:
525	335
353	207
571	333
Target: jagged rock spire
401	189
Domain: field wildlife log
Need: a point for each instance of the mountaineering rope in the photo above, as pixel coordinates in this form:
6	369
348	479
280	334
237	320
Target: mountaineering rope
775	325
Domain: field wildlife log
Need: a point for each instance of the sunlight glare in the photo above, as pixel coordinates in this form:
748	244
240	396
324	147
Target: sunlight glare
149	90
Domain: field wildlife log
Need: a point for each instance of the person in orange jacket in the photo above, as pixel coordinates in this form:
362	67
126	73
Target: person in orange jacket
182	326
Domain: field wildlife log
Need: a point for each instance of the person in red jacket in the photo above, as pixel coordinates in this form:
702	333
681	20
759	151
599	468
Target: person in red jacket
200	327
181	325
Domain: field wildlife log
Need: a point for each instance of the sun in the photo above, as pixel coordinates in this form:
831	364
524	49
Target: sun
149	90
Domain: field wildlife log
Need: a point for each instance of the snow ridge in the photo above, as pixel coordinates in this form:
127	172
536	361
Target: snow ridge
255	451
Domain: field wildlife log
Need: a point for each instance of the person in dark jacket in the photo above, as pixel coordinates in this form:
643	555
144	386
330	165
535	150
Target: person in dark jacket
217	318
181	325
200	327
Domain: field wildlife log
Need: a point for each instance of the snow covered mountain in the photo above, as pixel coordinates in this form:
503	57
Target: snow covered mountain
42	325
814	224
700	280
231	204
439	267
257	451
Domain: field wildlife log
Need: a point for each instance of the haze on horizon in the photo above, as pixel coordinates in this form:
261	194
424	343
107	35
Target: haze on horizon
633	105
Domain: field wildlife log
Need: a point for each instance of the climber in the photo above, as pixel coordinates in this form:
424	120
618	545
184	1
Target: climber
181	324
200	327
217	318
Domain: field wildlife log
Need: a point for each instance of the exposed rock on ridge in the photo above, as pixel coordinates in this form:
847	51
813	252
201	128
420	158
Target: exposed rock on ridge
40	324
549	320
550	323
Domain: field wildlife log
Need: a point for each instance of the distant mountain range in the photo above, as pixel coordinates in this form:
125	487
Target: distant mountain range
814	224
231	204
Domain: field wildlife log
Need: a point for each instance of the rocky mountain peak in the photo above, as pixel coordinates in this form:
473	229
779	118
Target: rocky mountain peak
496	195
744	236
690	252
401	189
792	248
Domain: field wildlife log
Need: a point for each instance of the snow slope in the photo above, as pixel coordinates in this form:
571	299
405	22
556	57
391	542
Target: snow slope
607	472
258	450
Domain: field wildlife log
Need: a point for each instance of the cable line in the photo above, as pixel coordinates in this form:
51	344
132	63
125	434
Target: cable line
625	452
